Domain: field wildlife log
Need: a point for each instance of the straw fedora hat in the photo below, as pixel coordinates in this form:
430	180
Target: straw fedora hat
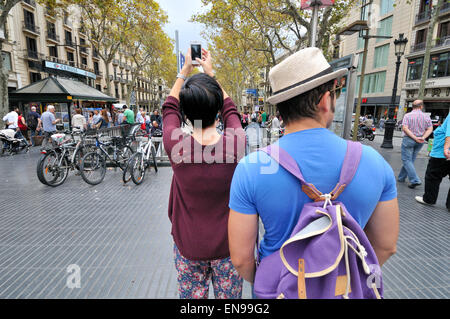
300	73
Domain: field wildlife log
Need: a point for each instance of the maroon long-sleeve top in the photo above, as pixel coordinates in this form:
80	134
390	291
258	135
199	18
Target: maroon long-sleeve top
200	191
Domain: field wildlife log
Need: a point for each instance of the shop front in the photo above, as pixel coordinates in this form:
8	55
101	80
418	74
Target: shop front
436	97
65	94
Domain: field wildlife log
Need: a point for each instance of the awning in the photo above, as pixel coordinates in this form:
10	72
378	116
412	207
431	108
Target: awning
58	90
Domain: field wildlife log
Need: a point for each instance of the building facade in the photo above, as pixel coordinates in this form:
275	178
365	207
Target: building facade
437	86
39	44
385	19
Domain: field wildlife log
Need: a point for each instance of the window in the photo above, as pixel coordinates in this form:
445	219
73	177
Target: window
70	58
34	77
373	83
365	9
387	6
29	18
414	69
421	36
385	28
381	56
425	6
6	61
68	37
438	65
443	33
53	51
32	47
96	68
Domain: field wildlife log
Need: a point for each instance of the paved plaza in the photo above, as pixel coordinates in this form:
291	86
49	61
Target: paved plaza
119	236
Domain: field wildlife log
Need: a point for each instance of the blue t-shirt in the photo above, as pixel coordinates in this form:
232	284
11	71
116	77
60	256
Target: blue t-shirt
440	134
261	186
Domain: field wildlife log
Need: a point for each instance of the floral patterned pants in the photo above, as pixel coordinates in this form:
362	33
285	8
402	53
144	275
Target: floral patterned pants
194	277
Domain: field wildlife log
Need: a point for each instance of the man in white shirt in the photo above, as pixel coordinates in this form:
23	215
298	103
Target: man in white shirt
12	119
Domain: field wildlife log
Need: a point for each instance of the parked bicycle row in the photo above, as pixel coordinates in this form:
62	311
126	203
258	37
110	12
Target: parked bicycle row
91	153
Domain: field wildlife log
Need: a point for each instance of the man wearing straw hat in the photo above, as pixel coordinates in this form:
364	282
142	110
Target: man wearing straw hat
305	90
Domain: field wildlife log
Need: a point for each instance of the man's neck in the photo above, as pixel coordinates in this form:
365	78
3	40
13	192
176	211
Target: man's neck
303	125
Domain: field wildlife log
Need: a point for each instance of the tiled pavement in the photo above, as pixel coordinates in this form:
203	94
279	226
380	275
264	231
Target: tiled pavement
119	236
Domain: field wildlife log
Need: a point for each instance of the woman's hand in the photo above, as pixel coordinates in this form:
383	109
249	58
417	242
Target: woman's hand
206	63
187	67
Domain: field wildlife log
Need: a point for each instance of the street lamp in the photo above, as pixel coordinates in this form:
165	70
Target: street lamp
400	46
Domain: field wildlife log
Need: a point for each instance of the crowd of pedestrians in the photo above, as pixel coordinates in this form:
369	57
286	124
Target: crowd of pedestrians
215	205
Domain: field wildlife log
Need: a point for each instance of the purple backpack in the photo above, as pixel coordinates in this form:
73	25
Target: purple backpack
327	255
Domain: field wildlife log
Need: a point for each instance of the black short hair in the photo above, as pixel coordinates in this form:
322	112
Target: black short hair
201	98
303	105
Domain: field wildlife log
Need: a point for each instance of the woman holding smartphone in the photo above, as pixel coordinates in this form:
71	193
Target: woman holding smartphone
203	165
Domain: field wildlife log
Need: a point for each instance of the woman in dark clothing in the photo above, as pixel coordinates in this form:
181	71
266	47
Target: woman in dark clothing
203	164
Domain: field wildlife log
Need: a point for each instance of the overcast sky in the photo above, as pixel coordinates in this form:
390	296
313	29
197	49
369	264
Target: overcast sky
180	12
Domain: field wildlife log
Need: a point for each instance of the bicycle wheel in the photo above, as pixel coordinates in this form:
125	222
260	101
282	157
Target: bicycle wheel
52	170
155	164
137	168
126	176
123	156
93	168
83	150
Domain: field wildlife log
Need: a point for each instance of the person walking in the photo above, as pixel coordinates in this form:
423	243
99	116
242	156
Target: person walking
203	164
305	92
416	127
49	124
34	124
438	166
23	128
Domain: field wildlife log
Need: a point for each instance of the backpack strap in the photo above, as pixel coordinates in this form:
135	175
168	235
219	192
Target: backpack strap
348	171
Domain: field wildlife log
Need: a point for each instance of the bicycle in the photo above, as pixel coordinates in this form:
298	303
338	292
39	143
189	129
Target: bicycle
54	166
114	153
140	161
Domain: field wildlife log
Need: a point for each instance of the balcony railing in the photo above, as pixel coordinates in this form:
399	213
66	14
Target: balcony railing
70	43
31	27
423	16
445	8
115	62
52	36
98	72
32	55
418	47
442	42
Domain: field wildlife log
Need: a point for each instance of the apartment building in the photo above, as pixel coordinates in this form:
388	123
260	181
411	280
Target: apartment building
39	44
437	87
385	19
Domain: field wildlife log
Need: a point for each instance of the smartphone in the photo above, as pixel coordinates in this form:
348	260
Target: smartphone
196	52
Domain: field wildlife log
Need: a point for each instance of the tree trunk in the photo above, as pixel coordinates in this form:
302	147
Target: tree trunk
426	58
4	101
108	82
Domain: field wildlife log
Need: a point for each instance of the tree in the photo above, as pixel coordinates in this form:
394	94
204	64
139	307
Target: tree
428	47
5	7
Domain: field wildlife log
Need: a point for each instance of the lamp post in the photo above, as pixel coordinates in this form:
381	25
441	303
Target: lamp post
400	46
362	27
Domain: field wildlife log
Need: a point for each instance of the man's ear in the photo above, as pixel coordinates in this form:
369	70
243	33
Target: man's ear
325	103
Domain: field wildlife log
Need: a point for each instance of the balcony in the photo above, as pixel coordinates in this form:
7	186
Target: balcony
122	64
98	72
52	37
95	54
423	17
127	67
123	80
418	47
84	50
70	44
445	9
116	79
29	3
442	42
32	55
115	62
31	28
111	77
